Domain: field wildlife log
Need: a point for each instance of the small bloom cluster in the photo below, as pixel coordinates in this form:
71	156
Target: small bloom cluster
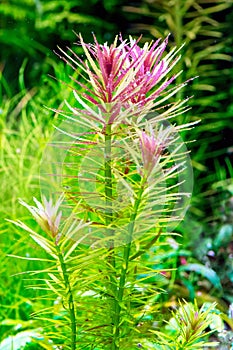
151	150
46	214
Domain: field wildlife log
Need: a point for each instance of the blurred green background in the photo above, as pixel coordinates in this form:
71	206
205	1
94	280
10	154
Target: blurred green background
29	32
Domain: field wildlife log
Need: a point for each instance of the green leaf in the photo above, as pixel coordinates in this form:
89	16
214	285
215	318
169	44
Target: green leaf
206	272
224	236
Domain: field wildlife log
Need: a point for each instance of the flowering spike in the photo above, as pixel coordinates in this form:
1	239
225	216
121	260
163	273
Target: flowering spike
124	74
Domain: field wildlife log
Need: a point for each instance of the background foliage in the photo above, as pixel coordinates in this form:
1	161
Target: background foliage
29	31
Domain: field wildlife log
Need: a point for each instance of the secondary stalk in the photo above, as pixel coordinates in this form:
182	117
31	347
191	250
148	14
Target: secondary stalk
124	269
70	299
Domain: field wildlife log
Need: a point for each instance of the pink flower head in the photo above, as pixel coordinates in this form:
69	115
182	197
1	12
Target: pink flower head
122	76
46	214
151	151
151	70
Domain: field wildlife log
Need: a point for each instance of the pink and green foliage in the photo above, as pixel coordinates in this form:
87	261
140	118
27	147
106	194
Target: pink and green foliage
126	184
124	79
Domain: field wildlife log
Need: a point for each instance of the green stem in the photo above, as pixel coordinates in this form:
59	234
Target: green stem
108	189
178	39
178	34
108	173
70	299
124	269
178	22
108	220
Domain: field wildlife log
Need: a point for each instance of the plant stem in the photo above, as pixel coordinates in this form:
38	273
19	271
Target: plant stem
178	34
178	39
70	298
108	219
108	174
124	269
108	190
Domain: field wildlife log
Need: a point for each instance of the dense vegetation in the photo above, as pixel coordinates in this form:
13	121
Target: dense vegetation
198	264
